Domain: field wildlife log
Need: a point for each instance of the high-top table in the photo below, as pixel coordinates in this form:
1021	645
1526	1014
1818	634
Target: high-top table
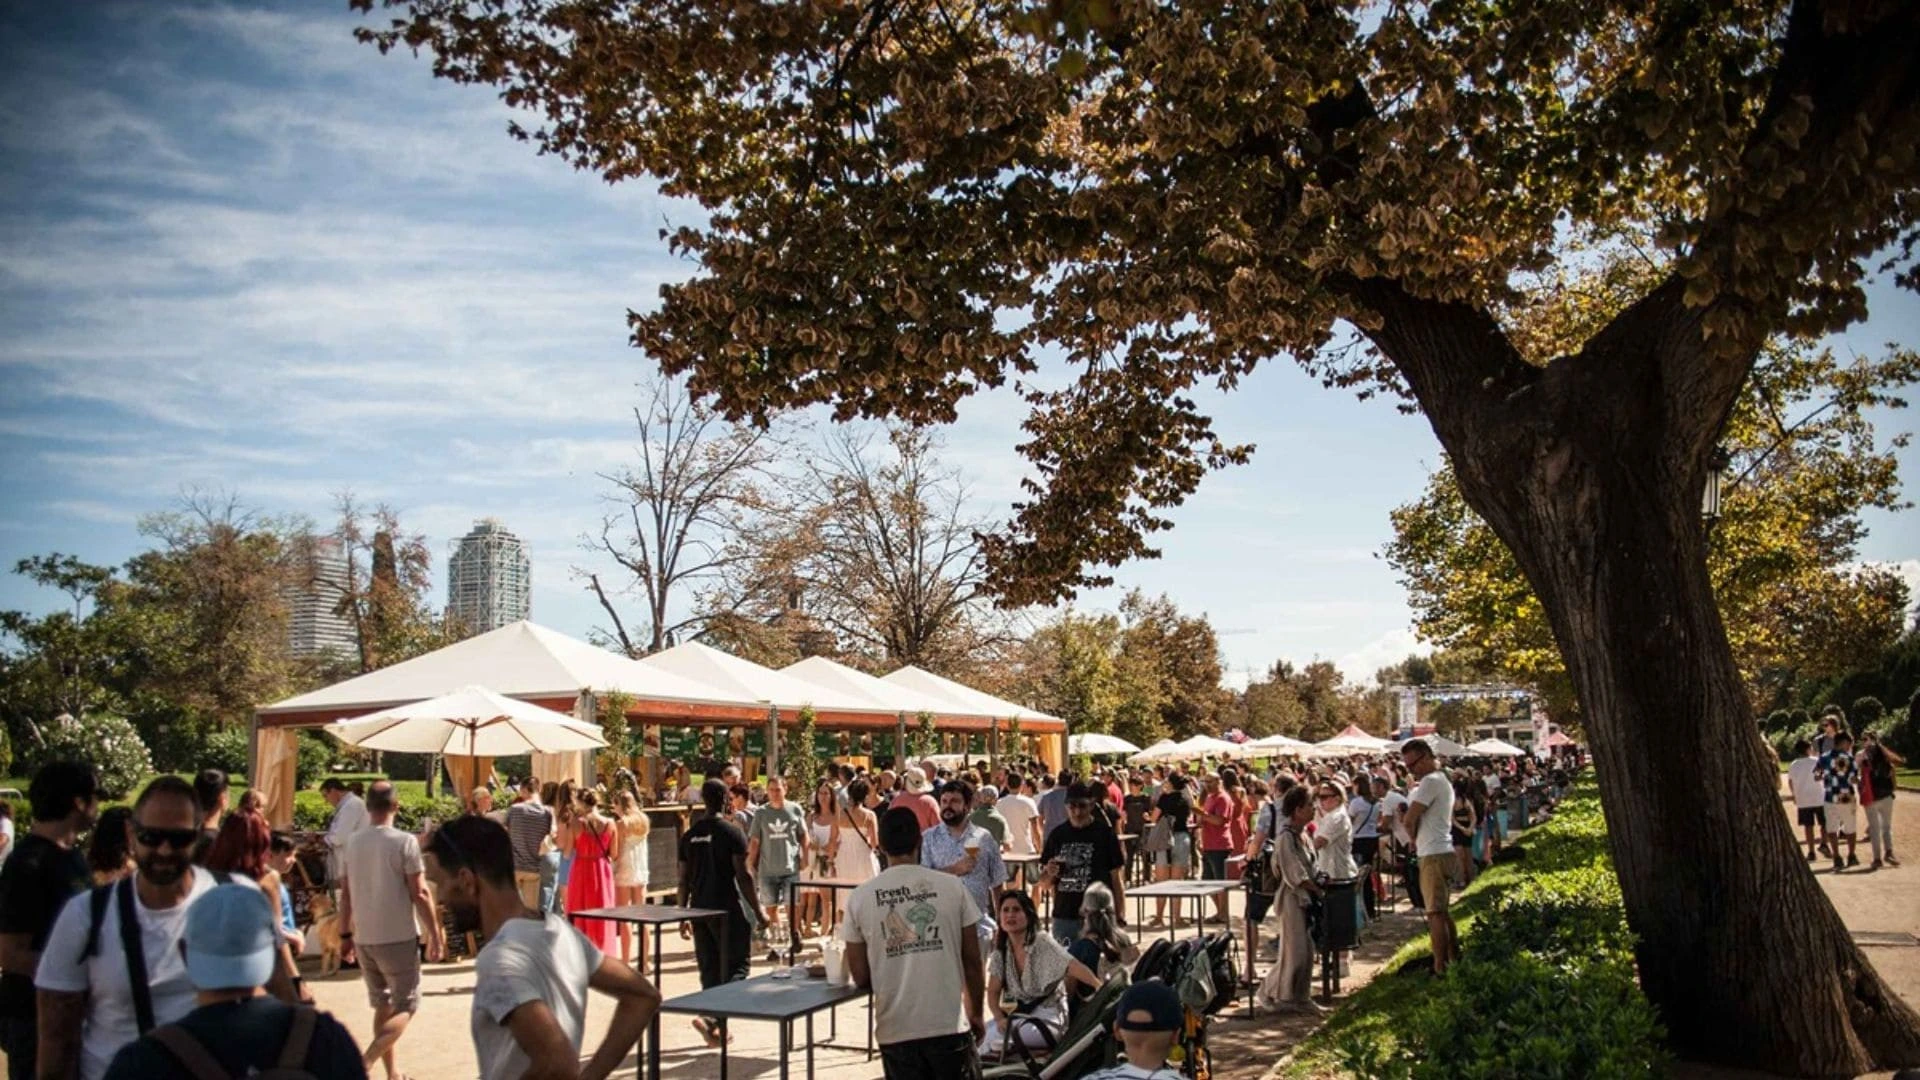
658	916
830	886
763	997
1177	890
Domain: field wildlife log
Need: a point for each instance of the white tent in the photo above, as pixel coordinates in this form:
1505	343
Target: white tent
744	680
1200	746
1353	741
1095	742
1439	744
1275	744
1495	748
840	680
470	722
1156	752
521	659
965	699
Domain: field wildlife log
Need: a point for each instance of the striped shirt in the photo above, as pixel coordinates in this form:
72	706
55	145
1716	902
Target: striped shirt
528	825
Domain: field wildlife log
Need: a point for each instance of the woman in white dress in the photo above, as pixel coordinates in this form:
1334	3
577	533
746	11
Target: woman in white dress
816	914
630	869
852	841
1027	973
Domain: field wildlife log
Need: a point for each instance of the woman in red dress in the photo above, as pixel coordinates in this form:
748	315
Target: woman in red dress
596	839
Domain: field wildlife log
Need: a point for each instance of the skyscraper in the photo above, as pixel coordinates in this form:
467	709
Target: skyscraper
316	625
489	580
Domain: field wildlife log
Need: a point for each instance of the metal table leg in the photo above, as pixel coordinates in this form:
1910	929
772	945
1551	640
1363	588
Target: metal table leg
783	1057
653	1026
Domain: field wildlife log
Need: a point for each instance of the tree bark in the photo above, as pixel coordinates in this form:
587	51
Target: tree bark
1740	950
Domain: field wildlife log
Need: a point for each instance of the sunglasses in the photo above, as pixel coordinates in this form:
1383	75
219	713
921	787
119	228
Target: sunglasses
178	839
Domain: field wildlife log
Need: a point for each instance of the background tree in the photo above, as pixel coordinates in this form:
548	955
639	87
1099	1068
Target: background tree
700	483
904	204
1782	556
387	590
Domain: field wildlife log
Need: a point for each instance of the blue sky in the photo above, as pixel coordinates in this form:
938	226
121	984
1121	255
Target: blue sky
240	251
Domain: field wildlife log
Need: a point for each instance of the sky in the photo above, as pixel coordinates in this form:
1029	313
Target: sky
241	252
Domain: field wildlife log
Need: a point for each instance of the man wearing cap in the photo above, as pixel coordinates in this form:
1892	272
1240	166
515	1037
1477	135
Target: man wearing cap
236	1029
917	799
1146	1023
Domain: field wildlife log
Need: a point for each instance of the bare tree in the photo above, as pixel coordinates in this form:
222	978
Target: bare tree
699	484
380	582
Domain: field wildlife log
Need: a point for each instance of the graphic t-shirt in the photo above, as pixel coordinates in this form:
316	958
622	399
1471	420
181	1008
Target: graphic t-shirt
779	830
36	881
912	921
529	960
708	847
1086	855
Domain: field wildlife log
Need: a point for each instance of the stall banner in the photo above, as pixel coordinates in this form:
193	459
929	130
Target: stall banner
755	742
827	743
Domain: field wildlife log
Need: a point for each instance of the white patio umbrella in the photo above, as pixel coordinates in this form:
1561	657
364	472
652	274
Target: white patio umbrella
1495	748
470	722
1439	744
1279	744
1097	742
1154	753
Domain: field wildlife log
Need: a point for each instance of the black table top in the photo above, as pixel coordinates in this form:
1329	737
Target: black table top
764	998
648	914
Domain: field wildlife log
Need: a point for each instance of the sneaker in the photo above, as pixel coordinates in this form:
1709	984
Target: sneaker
1839	865
1853	860
1891	861
1875	865
1810	856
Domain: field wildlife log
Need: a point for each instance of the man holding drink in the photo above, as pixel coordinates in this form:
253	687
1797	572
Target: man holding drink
957	846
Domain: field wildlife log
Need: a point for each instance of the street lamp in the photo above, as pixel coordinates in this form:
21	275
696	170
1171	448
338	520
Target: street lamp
1716	478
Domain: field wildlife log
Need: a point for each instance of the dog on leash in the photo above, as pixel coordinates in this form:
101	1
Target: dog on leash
326	931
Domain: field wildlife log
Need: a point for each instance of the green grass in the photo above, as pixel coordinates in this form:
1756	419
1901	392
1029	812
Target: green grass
1377	1013
1908	779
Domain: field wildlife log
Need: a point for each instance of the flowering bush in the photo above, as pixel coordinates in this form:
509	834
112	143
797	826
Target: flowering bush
110	743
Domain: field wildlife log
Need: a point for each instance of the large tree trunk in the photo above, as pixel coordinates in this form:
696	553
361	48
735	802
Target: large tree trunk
1740	949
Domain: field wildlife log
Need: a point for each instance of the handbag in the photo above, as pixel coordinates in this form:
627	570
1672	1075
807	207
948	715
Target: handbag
1159	838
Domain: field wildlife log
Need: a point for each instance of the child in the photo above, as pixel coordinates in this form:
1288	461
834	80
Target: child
1843	800
1148	1019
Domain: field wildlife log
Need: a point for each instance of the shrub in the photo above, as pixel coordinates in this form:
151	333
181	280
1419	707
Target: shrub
109	742
314	761
6	752
1776	721
1867	712
311	812
227	750
1523	1015
1559	917
1903	734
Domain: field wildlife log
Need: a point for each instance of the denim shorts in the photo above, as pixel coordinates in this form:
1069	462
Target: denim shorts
1180	854
773	888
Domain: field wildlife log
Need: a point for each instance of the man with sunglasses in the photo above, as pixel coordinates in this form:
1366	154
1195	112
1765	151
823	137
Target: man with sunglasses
1429	819
1077	854
113	967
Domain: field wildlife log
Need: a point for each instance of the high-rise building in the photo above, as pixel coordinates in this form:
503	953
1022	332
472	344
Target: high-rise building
317	625
489	580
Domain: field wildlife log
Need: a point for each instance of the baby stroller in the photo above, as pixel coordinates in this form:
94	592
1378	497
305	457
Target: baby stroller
1201	971
1086	1046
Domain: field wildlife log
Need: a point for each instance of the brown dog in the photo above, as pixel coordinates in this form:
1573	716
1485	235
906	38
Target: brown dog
325	931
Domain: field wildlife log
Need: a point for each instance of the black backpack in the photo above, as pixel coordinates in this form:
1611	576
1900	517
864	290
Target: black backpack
1880	773
204	1066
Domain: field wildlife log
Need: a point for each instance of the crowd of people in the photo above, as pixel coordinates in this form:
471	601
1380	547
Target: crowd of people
1841	790
141	954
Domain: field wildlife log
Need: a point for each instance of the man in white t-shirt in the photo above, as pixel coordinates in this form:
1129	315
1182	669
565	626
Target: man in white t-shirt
531	980
1809	795
1429	819
910	931
92	1001
382	894
1021	812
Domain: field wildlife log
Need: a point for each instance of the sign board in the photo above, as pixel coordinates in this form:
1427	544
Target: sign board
977	743
883	743
755	742
1409	711
826	743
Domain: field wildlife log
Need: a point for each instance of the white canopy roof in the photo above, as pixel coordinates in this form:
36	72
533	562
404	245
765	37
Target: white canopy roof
965	699
1200	746
744	680
473	722
1354	740
1097	742
1439	744
838	679
1153	753
1279	743
1495	748
521	659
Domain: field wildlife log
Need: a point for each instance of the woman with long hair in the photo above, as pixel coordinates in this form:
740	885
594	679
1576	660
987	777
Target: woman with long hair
550	851
566	807
108	856
853	840
815	912
595	838
1027	975
1288	984
1176	862
244	846
630	871
1102	946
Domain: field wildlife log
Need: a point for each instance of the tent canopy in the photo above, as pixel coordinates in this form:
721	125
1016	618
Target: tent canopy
1495	748
521	660
1095	742
1279	743
1439	744
835	677
470	722
1152	753
966	700
744	680
1354	739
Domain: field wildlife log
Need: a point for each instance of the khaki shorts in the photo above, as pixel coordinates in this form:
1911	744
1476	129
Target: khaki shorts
1434	871
392	974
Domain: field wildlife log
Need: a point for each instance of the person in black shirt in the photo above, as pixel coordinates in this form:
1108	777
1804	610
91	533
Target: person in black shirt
1078	853
43	872
1176	861
713	874
210	791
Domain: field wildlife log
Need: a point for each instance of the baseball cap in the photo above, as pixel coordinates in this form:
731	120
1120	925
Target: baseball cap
231	939
1154	998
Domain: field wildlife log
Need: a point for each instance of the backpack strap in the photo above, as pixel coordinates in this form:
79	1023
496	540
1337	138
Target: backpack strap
293	1052
131	944
97	899
190	1052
